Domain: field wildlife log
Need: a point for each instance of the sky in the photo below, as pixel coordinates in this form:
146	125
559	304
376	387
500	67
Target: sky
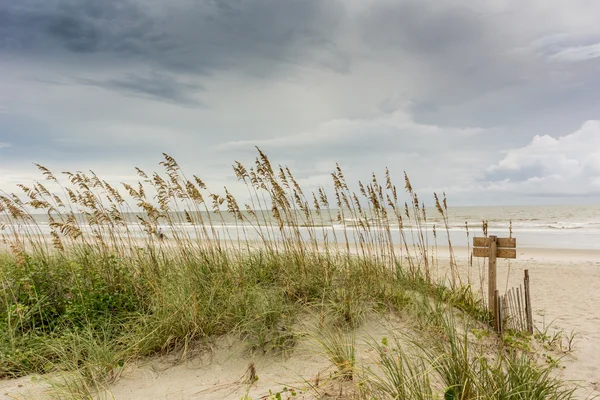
495	102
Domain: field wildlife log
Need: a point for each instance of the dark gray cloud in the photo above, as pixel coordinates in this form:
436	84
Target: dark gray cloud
444	40
457	53
422	28
196	37
447	89
84	26
154	86
262	38
485	67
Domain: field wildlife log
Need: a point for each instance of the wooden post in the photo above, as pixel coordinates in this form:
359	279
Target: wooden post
497	312
493	247
521	305
528	310
492	275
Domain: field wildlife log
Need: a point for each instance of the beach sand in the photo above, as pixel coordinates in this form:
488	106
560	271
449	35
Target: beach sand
565	293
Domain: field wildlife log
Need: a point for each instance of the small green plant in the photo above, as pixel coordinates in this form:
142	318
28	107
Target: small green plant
568	345
480	334
551	361
339	346
284	394
347	308
556	340
517	340
398	375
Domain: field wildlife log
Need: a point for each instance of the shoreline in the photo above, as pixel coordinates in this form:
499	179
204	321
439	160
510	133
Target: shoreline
543	254
460	252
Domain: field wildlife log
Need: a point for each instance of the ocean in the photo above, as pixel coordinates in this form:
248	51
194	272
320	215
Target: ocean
558	227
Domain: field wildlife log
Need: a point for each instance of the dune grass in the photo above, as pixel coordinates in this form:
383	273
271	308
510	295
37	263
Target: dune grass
103	286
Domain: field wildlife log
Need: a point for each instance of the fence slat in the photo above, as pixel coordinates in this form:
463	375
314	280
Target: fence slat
515	314
512	308
528	303
498	312
505	313
521	306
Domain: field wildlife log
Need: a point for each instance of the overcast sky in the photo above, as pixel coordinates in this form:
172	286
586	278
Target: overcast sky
493	101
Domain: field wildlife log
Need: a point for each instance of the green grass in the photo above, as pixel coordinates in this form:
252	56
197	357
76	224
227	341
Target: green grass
458	367
255	296
399	375
89	303
339	345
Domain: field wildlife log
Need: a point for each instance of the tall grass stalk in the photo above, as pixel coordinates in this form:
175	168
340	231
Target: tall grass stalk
94	275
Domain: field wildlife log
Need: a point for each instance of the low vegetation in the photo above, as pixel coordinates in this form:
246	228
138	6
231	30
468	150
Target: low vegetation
115	274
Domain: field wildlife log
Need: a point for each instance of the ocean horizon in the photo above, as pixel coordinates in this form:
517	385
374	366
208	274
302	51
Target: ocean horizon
557	227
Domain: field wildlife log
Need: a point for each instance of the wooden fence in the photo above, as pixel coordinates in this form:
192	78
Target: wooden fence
513	309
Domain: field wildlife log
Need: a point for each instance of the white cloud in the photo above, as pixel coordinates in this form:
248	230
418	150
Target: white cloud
434	156
578	53
384	129
568	165
563	47
4	144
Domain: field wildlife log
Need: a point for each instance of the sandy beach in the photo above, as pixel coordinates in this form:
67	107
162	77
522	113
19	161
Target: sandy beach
564	294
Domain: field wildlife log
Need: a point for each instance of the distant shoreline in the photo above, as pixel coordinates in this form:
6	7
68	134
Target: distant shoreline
545	254
551	254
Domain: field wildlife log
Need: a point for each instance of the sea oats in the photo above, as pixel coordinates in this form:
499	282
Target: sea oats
200	183
46	172
407	184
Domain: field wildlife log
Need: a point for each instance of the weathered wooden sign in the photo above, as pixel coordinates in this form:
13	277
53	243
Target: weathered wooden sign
505	247
493	247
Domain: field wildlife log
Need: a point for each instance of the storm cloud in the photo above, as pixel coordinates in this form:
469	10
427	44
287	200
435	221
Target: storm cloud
462	95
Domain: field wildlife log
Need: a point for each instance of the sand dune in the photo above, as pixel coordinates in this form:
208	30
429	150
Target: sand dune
565	296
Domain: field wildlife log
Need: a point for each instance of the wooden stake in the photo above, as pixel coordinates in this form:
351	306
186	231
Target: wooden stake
519	301
508	310
498	312
515	313
528	309
492	275
505	313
